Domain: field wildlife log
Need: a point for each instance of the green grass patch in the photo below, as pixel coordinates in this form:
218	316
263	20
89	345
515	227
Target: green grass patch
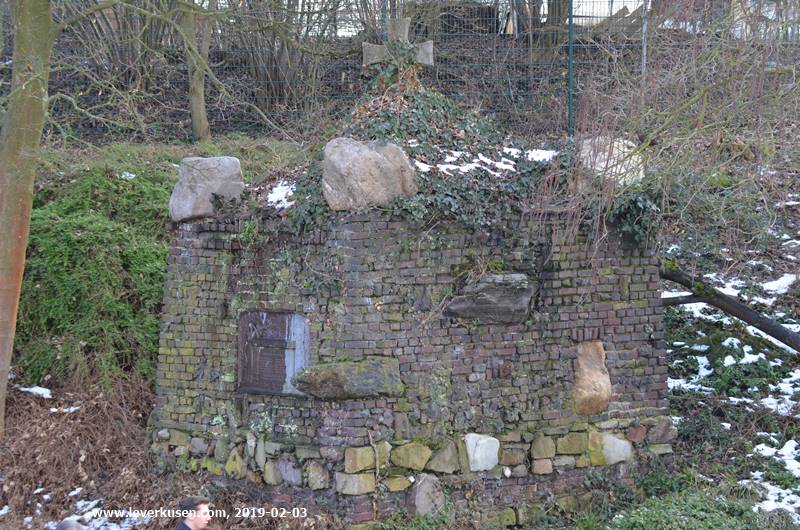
691	510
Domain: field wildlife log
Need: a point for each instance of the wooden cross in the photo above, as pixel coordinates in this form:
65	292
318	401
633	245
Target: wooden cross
398	32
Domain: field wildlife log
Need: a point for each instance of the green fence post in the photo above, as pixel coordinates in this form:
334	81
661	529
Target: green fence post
570	74
384	22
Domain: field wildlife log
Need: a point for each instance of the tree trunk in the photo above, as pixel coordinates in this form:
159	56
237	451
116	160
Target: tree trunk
34	35
196	61
701	292
557	15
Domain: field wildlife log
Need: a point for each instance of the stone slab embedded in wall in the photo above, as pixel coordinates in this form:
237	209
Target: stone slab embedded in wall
199	180
662	431
272	473
482	451
368	377
397	483
356	484
616	449
445	459
316	475
235	466
357	176
574	443
503	298
426	497
592	391
543	447
360	458
413	456
291	472
499	518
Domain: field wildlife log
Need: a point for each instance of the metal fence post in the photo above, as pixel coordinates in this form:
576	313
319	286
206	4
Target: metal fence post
645	23
384	21
570	74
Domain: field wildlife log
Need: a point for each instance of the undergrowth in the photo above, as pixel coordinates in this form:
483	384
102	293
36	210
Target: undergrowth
94	278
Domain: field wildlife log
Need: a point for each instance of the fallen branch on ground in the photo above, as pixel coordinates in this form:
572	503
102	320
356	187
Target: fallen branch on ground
702	292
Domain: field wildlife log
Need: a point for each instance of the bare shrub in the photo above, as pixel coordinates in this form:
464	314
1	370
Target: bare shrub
713	111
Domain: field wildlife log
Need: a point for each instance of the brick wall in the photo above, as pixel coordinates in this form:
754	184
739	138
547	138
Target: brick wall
370	285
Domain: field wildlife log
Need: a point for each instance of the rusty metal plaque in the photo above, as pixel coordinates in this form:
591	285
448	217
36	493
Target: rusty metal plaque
264	344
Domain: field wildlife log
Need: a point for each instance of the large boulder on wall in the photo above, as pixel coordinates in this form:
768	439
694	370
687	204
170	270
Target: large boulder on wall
200	180
358	176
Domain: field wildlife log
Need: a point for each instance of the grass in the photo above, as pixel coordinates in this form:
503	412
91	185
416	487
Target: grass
691	510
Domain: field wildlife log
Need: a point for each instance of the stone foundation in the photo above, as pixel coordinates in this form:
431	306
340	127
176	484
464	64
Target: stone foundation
369	366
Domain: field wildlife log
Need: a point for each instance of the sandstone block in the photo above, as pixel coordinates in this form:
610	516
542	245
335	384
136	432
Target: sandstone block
355	484
200	179
412	456
592	391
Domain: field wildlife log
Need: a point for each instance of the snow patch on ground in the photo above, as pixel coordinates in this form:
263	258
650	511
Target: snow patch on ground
776	497
734	286
279	195
781	285
731	287
464	162
674	294
37	391
65	410
703	311
783	403
747	358
752	330
732	342
780	400
540	155
704	370
761	264
422	166
88	513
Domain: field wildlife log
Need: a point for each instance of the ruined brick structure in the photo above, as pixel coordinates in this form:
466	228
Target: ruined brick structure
372	346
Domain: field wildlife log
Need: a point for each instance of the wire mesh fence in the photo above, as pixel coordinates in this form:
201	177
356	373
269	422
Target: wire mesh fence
298	63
